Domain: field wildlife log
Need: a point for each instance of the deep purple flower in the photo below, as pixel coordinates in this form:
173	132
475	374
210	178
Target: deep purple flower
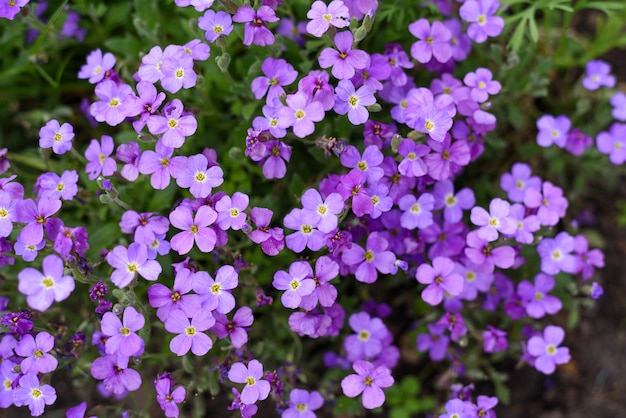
121	335
598	74
596	291
195	228
128	262
42	288
115	374
56	136
353	102
271	239
236	328
255	31
277	73
144	226
30	392
190	332
344	59
99	156
317	88
352	185
494	340
432	41
613	143
481	16
256	388
368	262
215	24
435	342
577	141
368	380
98	66
547	351
274	166
35	350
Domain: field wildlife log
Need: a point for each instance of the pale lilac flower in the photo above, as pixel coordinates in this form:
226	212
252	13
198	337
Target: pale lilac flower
99	156
325	293
526	225
174	124
42	288
56	136
368	164
157	163
7	378
456	408
452	203
440	278
302	403
190	332
215	24
131	261
178	73
37	219
115	374
150	68
300	113
588	259
8	213
549	201
481	16
370	381
97	67
122	338
129	154
353	102
36	353
497	220
306	235
553	130
482	84
417	211
168	400
195	229
412	165
368	339
556	254
217	293
230	212
618	101
32	393
325	211
598	74
535	297
344	59
323	17
113	105
256	388
547	351
516	182
613	143
432	41
370	261
195	174
296	284
277	73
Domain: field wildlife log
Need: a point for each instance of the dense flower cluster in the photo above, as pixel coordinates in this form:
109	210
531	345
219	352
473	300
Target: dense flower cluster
391	208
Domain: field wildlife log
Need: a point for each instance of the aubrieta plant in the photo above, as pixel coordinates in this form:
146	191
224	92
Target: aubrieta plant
260	207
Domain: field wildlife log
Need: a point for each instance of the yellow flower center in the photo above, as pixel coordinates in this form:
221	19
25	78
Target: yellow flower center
538	296
321	209
375	200
362	165
493	222
551	349
58	137
368	381
47	282
250	381
364	335
481	85
300	114
429	125
450	200
165	162
327	17
416	208
369	256
200	177
3	213
430	40
190	331
60	187
234	212
306	229
218	29
294	284
353	100
175	297
132	267
172	123
114	102
411	156
301	407
215	289
35	393
482	19
180	73
38	354
193	229
125	331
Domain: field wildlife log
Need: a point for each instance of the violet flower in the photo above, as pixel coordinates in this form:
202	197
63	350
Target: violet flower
323	17
190	332
370	381
99	156
215	24
195	229
255	31
56	136
236	328
343	60
598	74
547	351
42	288
32	393
121	335
353	102
481	16
440	278
432	41
368	262
277	73
296	284
256	388
130	262
115	374
36	353
97	67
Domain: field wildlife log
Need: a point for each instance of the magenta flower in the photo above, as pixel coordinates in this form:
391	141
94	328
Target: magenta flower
215	24
194	173
481	16
274	166
130	262
174	124
255	31
343	60
432	41
55	136
42	288
121	335
296	284
317	88
190	332
323	17
353	102
368	380
30	392
216	293
178	73
256	388
535	297
598	74
195	229
440	278
99	156
613	143
236	328
35	350
116	376
375	258
300	113
144	227
553	130
277	73
98	66
547	351
497	220
230	212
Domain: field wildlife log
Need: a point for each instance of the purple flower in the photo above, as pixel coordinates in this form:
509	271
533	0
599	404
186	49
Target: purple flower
174	125
168	400
99	156
526	225
481	16
578	142
147	104
353	102
547	351
98	66
271	239
368	338
157	163
367	165
516	182
216	294
323	17
30	392
8	213
131	261
215	24
494	340
588	260
497	220
351	185
417	211
479	252
368	380
150	68
325	211
7	377
618	101
190	332
36	218
166	300
129	154
144	227
613	143
316	86
344	59
256	388
325	293
596	291
230	212
255	31
553	130
598	74
55	136
432	41
277	73
178	73
556	254
550	202
296	284
306	236
482	84
451	203
194	173
236	328
121	335
435	342
456	408
195	229
375	258
428	114
440	278
535	297
35	350
117	377
412	165
301	402
113	106
52	186
41	289
300	113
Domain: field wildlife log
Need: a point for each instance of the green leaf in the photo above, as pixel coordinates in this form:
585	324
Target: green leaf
534	32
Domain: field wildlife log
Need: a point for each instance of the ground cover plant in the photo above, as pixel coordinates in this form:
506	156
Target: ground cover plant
298	208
